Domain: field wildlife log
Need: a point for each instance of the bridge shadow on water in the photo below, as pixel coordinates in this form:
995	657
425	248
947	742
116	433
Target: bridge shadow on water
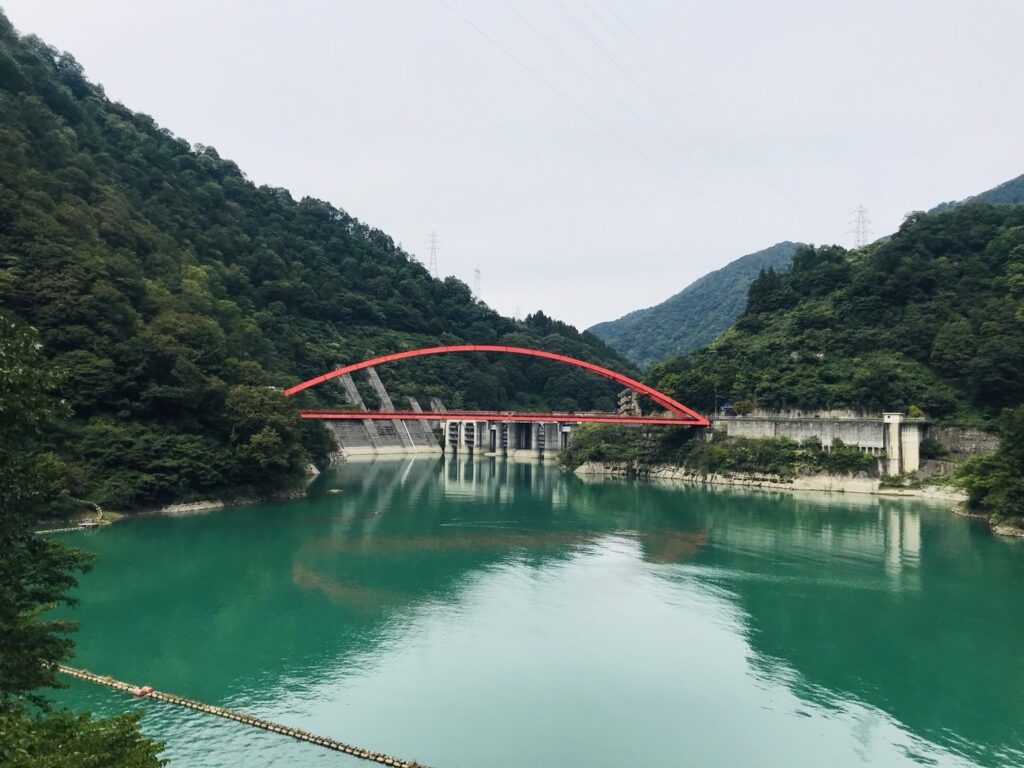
860	607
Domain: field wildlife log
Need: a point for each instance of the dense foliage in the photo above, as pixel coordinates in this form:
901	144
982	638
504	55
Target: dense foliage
176	295
932	317
695	315
36	574
602	443
65	740
995	483
776	456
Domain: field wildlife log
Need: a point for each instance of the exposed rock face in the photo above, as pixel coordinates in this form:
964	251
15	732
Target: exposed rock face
1004	529
961	443
191	508
208	505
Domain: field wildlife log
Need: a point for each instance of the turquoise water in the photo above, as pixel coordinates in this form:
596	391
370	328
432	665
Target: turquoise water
481	613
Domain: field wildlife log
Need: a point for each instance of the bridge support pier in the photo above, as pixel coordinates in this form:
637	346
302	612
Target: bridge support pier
515	439
552	442
453	435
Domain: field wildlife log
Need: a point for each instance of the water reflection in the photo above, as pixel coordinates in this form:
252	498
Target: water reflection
484	584
501	479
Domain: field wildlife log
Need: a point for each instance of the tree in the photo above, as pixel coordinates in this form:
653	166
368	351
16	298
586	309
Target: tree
769	293
35	575
995	483
954	347
743	407
266	432
64	740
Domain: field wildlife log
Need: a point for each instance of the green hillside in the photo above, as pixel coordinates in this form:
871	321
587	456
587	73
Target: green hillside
932	317
175	296
1008	193
695	315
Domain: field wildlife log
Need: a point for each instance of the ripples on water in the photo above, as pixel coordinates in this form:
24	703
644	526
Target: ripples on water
483	613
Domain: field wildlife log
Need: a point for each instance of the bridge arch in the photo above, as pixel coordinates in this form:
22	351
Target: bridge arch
680	411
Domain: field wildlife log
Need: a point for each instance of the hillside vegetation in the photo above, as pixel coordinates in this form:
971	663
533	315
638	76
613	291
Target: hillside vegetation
933	317
995	483
695	315
1008	193
38	573
176	297
638	450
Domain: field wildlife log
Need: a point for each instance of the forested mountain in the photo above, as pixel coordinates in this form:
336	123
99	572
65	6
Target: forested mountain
695	315
176	296
1008	193
932	317
709	305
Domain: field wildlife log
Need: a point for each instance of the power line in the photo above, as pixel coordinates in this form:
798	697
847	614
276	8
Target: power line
568	100
709	141
710	133
610	55
668	140
654	57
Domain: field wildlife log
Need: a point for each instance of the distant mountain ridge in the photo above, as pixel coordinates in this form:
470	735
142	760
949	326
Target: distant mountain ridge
696	315
1008	193
708	306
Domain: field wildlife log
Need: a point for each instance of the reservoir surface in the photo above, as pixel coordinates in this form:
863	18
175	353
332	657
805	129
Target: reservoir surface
486	613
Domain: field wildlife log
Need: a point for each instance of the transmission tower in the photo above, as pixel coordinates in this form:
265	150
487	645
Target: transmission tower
476	283
861	227
434	243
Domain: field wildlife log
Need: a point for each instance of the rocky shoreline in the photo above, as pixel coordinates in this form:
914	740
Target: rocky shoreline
209	505
180	509
861	483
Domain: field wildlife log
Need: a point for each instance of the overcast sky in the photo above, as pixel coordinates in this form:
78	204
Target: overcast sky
589	157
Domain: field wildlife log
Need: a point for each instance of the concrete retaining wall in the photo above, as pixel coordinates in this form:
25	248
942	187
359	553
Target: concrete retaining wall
891	437
964	442
865	433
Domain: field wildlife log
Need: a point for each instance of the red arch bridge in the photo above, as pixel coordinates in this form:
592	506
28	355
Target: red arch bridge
497	430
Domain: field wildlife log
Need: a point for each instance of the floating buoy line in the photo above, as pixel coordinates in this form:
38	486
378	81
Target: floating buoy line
48	531
238	717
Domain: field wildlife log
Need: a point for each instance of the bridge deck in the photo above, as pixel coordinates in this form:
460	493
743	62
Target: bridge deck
567	417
